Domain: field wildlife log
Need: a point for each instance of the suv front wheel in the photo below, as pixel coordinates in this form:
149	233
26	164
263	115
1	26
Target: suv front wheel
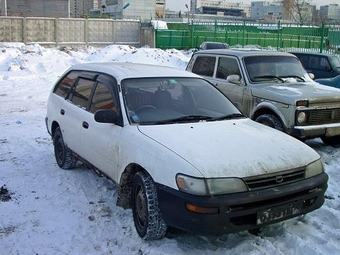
332	140
270	120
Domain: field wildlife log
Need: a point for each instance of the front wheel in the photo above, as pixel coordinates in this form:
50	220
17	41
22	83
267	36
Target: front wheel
331	140
63	155
270	120
145	208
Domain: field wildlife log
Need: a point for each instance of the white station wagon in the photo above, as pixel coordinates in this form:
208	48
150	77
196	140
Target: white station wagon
181	153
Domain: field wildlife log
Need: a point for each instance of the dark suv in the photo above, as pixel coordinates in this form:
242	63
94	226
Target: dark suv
320	64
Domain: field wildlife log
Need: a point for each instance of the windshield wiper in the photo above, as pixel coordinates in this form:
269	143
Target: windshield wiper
294	76
269	77
230	116
190	118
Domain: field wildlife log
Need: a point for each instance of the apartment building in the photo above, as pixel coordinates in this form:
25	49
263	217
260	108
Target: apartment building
46	8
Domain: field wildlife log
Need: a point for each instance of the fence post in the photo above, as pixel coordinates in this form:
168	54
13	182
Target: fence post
278	35
192	33
215	31
322	36
243	34
24	30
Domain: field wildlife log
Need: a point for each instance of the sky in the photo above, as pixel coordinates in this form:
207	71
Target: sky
47	210
177	5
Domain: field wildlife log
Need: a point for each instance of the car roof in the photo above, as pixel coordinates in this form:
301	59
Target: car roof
244	52
310	53
122	70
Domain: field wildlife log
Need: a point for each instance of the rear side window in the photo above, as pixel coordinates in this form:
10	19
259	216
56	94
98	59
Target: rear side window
64	86
204	65
82	92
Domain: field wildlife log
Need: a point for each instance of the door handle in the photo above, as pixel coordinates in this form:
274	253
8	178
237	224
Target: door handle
62	112
85	125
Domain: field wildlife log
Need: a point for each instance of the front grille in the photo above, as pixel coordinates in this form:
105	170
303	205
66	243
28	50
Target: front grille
272	180
324	116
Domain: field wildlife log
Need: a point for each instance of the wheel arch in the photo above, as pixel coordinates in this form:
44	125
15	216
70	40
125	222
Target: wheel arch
266	110
125	185
54	126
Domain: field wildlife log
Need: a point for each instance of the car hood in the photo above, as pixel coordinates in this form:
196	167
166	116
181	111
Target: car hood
291	92
236	148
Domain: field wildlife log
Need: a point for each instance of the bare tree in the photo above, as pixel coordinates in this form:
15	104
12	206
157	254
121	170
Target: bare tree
297	10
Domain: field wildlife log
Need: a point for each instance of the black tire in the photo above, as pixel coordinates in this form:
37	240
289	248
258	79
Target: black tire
63	155
146	213
270	120
332	140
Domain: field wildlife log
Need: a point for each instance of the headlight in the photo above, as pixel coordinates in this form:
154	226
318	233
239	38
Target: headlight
204	187
314	168
302	117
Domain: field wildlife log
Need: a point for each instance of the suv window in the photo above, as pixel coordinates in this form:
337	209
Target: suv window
63	88
204	66
226	67
81	93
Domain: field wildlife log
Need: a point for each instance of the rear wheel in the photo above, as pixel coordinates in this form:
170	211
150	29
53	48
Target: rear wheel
331	140
63	155
270	120
146	213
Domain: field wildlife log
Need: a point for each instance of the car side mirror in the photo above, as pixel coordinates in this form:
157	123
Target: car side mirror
106	116
234	78
311	75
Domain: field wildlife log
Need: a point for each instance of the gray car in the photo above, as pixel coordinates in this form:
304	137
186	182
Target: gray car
273	88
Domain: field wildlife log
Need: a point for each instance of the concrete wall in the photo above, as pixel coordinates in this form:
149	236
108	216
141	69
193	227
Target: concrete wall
51	31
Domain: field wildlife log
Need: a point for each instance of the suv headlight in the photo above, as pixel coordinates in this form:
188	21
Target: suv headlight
205	187
314	168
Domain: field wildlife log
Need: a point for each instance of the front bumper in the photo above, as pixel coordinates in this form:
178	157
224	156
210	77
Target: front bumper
237	212
316	130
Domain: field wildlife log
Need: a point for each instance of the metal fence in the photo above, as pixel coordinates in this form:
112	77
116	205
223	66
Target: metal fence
279	36
63	31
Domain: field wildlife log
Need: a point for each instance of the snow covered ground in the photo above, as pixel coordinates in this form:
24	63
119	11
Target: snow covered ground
46	210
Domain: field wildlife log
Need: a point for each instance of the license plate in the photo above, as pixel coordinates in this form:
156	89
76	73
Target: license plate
278	212
333	131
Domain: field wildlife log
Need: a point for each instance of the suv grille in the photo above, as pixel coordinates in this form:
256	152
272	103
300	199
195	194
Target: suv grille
272	180
324	116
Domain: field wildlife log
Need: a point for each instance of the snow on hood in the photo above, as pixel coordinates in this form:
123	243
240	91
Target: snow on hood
237	148
290	92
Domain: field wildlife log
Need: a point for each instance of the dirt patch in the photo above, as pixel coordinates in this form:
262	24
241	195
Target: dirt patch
5	196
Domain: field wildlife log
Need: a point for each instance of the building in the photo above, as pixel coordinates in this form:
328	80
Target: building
135	9
216	7
330	12
46	8
266	10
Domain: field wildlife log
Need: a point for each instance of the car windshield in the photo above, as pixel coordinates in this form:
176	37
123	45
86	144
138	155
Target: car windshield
335	62
275	68
162	100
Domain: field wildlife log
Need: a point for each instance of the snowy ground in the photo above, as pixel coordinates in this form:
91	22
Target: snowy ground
46	210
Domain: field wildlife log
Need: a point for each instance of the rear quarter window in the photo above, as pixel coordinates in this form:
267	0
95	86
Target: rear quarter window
204	65
64	86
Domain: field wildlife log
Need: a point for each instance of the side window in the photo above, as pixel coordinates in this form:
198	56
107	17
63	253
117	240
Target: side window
226	67
103	99
204	66
81	93
64	86
324	64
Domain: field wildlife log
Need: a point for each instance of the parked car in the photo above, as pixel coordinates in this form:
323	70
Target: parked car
181	153
213	45
273	88
321	65
333	82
